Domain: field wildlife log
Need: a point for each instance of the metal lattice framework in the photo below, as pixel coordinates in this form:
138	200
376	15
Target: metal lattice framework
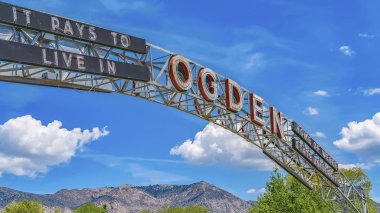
346	197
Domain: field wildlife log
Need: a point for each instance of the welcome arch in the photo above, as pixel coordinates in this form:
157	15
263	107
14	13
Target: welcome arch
43	49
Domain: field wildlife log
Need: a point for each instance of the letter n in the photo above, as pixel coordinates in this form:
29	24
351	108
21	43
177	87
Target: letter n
276	123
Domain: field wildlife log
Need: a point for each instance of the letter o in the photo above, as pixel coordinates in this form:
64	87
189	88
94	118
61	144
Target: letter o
207	85
125	41
180	73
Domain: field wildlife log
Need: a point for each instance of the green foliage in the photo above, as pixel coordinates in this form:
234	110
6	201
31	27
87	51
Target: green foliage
90	207
306	200
286	194
24	206
276	198
360	178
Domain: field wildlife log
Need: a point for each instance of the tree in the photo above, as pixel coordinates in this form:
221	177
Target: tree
360	179
90	207
286	194
305	199
276	198
25	206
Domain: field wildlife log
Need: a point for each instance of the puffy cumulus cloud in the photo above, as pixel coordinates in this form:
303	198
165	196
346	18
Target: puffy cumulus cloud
362	138
321	93
215	145
311	111
346	50
27	147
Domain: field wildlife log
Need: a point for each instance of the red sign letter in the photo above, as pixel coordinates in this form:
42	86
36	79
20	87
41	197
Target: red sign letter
207	85
276	122
234	97
180	73
256	108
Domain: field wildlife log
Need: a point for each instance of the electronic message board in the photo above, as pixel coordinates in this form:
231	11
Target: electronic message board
19	16
45	57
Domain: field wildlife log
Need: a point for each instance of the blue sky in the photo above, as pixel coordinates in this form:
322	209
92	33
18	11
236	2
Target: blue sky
315	61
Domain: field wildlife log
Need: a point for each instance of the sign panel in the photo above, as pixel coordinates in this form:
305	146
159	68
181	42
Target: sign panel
38	56
302	150
314	145
15	15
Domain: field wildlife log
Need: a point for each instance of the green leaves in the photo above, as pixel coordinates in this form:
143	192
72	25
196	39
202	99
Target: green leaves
90	207
360	179
25	206
285	194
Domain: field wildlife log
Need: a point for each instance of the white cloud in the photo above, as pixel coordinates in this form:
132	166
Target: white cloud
215	145
254	191
366	166
319	134
346	50
321	93
362	138
251	191
312	111
372	91
27	147
366	35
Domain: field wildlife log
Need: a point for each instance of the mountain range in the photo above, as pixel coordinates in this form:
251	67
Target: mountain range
131	199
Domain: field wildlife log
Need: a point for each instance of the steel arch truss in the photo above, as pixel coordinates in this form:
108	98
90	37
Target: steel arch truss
344	197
